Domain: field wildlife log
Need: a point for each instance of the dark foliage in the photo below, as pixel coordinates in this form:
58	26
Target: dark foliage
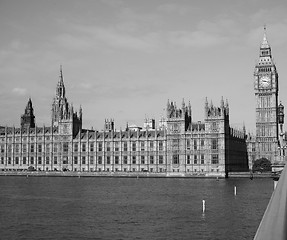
261	165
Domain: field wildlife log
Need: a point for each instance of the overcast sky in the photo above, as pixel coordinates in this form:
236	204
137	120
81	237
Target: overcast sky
123	59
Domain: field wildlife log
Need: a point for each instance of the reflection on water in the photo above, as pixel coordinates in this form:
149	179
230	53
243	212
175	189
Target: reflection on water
129	208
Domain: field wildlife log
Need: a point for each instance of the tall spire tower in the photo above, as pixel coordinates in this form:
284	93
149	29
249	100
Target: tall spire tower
60	107
63	115
266	93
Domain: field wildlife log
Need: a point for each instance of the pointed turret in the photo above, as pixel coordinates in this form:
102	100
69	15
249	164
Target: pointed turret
189	108
264	43
227	107
80	113
60	91
183	105
28	118
222	103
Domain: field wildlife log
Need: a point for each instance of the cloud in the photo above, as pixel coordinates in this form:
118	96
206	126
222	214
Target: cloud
85	36
19	91
74	41
171	8
196	39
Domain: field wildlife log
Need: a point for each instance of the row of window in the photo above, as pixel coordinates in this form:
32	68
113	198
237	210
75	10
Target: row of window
100	147
109	160
24	139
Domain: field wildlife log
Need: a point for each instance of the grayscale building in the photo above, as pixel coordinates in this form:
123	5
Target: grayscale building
178	145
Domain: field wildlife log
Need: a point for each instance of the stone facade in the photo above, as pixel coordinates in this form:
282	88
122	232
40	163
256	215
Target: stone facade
178	146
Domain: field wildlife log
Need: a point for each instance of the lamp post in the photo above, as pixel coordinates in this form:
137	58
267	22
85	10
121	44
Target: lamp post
281	146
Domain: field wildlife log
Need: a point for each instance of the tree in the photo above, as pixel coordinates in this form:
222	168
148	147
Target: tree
262	165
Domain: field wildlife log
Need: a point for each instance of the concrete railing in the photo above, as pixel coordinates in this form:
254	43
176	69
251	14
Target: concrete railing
273	225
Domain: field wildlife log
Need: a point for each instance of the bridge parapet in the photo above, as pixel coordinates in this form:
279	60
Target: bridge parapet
274	222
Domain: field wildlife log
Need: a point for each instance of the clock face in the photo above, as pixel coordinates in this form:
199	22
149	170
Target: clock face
265	81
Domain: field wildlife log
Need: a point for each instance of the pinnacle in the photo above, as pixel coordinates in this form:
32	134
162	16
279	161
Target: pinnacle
265	43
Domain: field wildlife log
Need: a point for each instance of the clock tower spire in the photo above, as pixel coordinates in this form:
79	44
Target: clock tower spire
266	94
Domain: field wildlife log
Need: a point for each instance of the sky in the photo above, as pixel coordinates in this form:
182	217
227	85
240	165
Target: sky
123	59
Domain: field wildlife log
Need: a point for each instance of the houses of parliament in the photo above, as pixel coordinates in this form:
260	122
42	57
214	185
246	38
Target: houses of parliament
177	146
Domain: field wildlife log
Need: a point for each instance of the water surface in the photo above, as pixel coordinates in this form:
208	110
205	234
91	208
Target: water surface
130	208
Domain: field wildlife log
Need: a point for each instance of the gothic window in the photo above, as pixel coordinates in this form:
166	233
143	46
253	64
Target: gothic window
160	146
55	147
108	146
142	146
116	146
175	143
142	159
83	159
125	147
99	159
151	158
100	146
32	160
116	159
151	144
83	147
17	160
214	127
17	148
195	159
188	144
202	142
134	159
76	148
47	160
75	160
9	148
134	146
2	148
91	160
39	160
24	160
39	148
202	159
65	147
108	160
188	159
47	148
32	148
125	159
160	159
91	147
65	160
214	159
175	159
214	144
55	160
195	144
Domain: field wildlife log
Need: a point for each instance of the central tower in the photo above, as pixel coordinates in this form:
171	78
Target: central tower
63	115
266	93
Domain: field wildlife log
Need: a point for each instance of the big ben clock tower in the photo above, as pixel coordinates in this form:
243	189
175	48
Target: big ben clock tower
266	93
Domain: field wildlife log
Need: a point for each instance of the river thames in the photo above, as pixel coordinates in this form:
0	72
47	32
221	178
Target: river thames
131	208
